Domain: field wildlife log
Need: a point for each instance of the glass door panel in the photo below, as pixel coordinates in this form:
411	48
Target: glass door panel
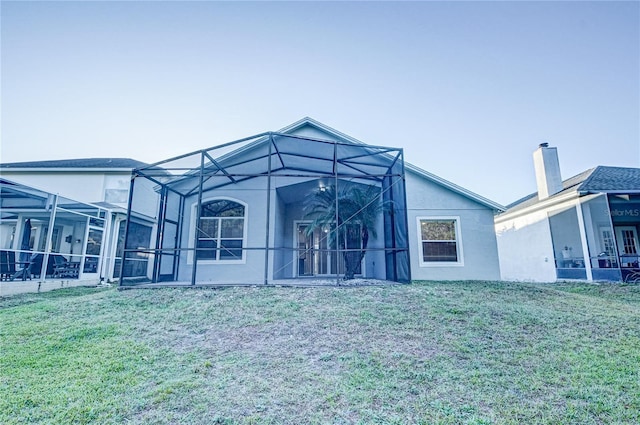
628	247
315	255
305	251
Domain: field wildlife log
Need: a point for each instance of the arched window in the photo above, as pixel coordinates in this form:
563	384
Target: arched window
221	231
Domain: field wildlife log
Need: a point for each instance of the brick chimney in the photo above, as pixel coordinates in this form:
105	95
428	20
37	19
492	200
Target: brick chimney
547	167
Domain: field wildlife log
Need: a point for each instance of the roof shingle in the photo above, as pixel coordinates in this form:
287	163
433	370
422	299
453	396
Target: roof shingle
599	179
607	179
79	163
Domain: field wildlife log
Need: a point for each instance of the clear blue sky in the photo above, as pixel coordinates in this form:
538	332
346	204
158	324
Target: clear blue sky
468	89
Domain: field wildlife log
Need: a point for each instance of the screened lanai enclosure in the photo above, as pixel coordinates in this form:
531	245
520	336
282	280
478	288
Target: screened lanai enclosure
45	236
271	208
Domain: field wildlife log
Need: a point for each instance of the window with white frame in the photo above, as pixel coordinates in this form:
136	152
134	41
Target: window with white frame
221	231
440	242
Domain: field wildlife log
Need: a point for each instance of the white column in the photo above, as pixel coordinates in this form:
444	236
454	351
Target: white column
583	240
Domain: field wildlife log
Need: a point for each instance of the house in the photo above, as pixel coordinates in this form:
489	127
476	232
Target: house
236	213
585	227
102	183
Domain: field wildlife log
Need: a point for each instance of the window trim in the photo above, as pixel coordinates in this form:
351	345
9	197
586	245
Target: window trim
192	232
459	250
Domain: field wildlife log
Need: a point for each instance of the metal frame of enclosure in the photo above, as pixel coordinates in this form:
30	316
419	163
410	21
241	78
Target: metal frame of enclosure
270	175
45	236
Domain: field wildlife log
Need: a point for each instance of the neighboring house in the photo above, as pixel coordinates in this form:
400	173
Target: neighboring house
585	227
102	182
234	213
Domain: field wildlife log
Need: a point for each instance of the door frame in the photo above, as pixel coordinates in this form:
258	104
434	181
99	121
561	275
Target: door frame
329	259
296	252
620	244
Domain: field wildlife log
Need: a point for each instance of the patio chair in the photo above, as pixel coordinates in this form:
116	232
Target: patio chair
631	275
34	267
61	267
7	264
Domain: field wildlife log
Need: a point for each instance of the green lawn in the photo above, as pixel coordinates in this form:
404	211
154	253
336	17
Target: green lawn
425	353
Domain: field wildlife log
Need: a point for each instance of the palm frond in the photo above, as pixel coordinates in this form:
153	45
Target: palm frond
351	214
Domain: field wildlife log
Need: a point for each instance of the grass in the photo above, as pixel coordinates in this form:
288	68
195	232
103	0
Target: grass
425	353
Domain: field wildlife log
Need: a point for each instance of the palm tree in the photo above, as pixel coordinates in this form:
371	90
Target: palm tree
357	212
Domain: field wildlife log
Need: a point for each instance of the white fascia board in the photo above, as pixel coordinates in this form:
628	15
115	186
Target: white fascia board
306	120
542	205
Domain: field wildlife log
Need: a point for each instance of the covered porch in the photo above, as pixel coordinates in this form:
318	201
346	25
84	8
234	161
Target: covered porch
597	240
46	237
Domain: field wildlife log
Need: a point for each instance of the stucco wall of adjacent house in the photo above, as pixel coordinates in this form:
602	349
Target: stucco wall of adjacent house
91	186
63	183
525	243
81	186
146	199
525	248
479	248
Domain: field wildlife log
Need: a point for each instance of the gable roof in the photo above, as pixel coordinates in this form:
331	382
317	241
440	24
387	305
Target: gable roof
307	121
296	130
85	163
601	179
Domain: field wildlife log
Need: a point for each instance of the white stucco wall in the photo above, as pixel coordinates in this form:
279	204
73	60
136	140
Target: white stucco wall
80	186
526	249
525	243
145	198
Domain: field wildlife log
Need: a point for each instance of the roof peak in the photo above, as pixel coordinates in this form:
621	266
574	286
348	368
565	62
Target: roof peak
439	180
